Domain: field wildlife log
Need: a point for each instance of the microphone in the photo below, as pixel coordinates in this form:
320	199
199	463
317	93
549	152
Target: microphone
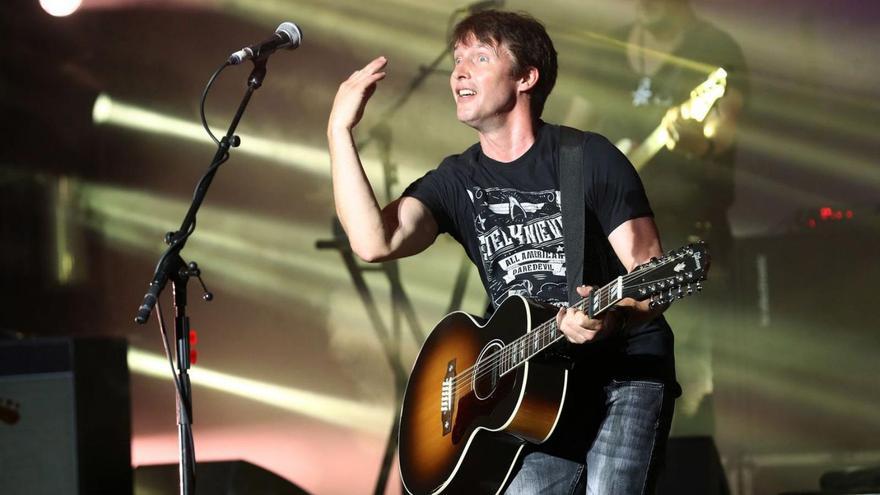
288	35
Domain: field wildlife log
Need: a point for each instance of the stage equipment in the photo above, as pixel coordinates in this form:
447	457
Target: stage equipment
865	480
215	478
65	421
693	467
800	299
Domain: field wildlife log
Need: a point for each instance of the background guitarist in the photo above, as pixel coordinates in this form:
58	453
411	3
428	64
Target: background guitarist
500	200
665	54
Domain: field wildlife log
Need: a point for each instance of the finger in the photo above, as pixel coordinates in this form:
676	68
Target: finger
378	62
673	133
590	335
378	76
563	322
375	65
584	290
572	336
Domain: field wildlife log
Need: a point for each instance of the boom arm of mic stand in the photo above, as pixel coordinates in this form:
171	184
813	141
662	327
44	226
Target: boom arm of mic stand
177	240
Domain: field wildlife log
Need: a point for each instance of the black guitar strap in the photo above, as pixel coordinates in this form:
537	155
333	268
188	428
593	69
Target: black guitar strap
571	187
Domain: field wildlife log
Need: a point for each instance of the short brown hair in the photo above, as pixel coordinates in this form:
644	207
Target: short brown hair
527	41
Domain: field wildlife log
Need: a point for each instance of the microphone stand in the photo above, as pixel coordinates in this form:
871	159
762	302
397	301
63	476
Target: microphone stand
171	266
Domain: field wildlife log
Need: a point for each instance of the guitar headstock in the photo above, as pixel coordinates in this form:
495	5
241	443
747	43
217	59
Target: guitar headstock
674	275
705	95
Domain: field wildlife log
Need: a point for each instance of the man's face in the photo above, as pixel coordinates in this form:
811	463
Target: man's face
483	85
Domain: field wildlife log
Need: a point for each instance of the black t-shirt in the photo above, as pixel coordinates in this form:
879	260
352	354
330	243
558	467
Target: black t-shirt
507	216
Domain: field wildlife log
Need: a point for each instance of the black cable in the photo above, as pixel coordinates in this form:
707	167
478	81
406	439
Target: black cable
186	405
217	163
205	97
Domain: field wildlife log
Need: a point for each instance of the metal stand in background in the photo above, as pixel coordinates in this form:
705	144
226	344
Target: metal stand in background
401	307
389	338
171	266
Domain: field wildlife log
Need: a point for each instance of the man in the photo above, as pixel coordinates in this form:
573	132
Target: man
504	69
668	52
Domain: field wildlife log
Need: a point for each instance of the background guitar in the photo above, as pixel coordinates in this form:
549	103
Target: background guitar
697	107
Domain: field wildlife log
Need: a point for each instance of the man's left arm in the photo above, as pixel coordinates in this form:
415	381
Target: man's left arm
635	242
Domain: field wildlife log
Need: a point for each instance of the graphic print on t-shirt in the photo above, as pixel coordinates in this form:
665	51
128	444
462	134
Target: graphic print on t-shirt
520	238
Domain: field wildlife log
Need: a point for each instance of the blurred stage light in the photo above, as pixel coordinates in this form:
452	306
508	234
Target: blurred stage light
69	252
111	112
315	160
260	256
342	412
60	8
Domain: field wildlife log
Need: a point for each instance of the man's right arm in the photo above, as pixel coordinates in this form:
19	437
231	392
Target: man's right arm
402	228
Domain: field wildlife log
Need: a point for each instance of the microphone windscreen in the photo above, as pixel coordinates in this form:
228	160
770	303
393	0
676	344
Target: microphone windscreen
293	33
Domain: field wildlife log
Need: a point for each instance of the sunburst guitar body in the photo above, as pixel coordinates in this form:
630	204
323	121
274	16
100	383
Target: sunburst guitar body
452	441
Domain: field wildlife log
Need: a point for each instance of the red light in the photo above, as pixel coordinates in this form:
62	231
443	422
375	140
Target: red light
811	223
193	337
825	212
193	356
849	214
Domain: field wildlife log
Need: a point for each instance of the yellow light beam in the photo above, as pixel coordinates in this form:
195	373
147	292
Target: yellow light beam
341	412
311	159
109	111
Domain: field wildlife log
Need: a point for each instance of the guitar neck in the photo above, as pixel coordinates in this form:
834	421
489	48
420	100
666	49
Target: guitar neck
674	275
546	334
655	142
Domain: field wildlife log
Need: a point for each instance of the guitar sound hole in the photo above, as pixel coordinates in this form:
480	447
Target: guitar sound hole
486	370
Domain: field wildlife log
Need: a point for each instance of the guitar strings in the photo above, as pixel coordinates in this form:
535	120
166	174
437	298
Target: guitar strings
489	366
530	338
509	349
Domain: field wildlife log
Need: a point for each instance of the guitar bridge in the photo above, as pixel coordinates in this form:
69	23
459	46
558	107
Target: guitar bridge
447	398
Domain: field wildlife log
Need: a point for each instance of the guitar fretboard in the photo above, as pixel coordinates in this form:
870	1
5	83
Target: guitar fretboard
547	333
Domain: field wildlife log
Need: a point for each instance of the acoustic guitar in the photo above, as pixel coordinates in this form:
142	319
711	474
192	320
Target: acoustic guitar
479	390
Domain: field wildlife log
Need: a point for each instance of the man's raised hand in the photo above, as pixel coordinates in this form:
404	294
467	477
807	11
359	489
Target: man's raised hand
353	94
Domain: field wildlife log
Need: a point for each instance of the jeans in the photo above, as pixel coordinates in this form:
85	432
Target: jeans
622	459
